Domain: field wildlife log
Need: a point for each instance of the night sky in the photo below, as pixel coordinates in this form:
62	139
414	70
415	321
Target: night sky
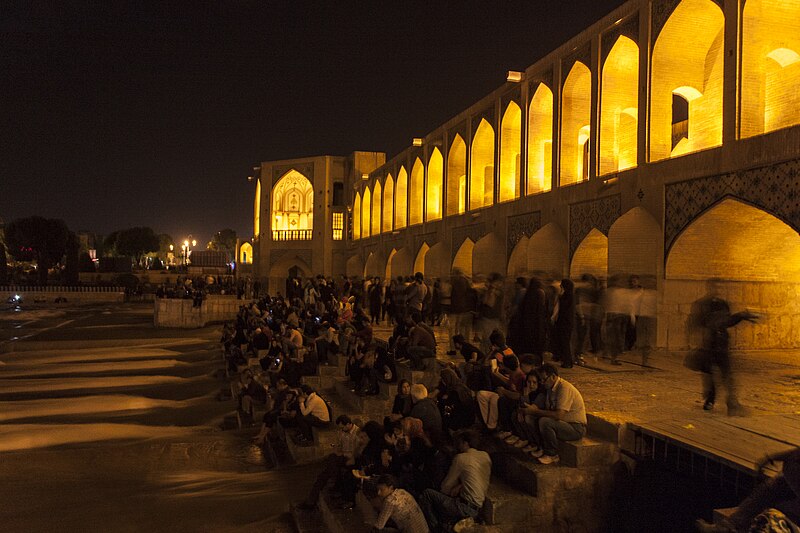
117	114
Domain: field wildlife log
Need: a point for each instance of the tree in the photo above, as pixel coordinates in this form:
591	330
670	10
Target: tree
72	259
223	241
39	239
132	242
3	265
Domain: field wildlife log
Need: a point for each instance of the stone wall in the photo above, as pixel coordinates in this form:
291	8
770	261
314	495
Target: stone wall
79	295
180	313
778	302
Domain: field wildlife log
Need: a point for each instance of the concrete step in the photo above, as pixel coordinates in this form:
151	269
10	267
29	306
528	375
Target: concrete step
331	370
324	438
588	452
338	520
371	407
306	521
429	377
723	515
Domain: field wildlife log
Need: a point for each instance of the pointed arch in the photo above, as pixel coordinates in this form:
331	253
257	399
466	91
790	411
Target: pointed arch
635	244
770	66
457	177
400	263
619	101
357	216
401	199
510	149
548	251
375	265
366	204
354	266
388	204
540	140
576	116
417	193
377	197
387	271
257	211
419	262
437	261
591	256
246	253
433	209
518	261
292	207
687	58
463	257
489	255
481	168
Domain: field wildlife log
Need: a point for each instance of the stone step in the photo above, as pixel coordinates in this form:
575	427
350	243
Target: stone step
324	438
375	407
338	520
723	515
588	452
331	370
306	521
429	378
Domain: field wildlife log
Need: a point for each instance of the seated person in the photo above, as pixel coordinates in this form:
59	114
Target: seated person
398	506
402	401
456	404
464	489
523	435
776	501
562	419
489	401
277	405
421	341
255	393
313	413
425	409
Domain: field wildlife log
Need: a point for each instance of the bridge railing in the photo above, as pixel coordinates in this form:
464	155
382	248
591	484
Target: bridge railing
292	234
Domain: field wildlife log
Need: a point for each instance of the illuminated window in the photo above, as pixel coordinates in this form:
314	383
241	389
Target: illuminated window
540	141
338	226
434	197
576	115
510	142
417	193
619	107
457	177
481	169
292	208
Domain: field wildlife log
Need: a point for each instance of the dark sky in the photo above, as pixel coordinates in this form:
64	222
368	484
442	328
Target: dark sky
115	114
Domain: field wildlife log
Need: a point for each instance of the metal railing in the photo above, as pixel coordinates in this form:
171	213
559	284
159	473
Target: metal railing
292	234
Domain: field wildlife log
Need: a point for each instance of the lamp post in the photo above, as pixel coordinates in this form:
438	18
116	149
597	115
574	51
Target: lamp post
188	244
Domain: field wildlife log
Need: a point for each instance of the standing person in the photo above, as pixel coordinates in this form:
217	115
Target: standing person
563	324
464	489
527	327
416	293
460	318
619	314
490	309
399	506
589	316
375	297
712	315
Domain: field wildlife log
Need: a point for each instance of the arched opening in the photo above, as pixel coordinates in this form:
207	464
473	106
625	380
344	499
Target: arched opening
619	103
488	255
288	265
576	115
387	273
354	266
548	251
433	209
357	216
634	244
400	263
463	258
688	60
376	208
419	262
417	193
388	204
292	208
457	177
757	257
591	256
257	211
401	199
481	168
246	253
770	66
437	261
375	265
510	147
540	140
518	262
366	203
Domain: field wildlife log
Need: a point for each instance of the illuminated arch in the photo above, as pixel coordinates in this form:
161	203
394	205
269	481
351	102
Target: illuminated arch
576	115
387	270
257	211
419	262
375	265
401	199
540	140
437	261
510	148
433	208
457	177
388	204
548	251
292	207
619	102
417	193
400	263
246	253
518	261
366	204
481	167
687	61
591	256
489	255
376	208
770	66
357	216
463	257
354	266
635	244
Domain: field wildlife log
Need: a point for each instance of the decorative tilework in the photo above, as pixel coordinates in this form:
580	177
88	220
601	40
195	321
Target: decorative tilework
519	226
629	28
774	188
429	238
306	169
473	231
582	54
600	213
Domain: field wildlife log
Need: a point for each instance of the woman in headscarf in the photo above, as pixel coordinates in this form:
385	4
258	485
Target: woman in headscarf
527	333
563	322
455	401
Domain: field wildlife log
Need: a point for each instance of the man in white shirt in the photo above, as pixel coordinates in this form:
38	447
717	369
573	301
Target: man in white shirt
313	413
338	463
399	506
464	489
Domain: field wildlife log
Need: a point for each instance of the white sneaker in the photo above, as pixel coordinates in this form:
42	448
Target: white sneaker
520	444
536	452
549	459
513	439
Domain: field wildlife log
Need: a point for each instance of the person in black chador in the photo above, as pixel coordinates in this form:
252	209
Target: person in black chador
712	315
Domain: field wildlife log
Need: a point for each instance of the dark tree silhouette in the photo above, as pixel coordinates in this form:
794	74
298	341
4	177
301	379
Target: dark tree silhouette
133	242
223	241
3	265
39	239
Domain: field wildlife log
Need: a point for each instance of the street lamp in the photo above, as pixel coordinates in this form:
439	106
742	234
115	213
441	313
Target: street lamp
187	249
